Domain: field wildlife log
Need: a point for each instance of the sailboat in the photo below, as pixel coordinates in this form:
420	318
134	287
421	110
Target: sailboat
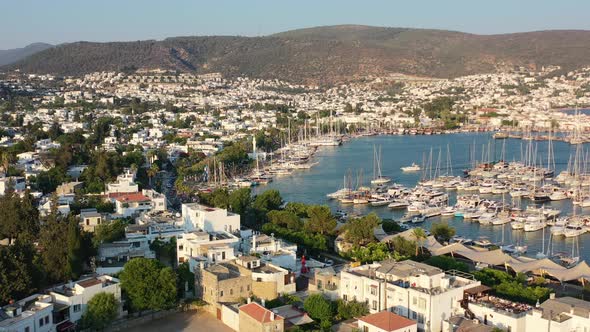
378	178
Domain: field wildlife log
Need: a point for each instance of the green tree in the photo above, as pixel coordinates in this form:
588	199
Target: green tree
113	231
320	309
420	236
351	309
404	247
148	284
300	209
75	249
152	172
19	275
268	201
320	220
360	231
240	200
102	309
285	219
186	279
442	231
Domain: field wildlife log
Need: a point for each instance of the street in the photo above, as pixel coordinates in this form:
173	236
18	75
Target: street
183	321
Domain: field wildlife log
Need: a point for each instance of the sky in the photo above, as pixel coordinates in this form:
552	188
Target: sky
58	21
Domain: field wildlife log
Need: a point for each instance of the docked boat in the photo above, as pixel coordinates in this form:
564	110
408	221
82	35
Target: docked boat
573	230
514	249
533	226
398	204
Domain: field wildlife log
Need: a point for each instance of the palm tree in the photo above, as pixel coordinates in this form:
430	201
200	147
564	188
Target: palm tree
420	235
152	171
6	158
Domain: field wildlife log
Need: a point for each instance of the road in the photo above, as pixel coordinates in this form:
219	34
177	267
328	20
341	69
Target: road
184	321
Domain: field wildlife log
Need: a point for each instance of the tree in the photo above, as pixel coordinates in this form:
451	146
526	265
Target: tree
152	171
442	231
19	275
75	249
186	279
113	231
300	209
103	308
404	247
268	201
320	220
319	308
359	231
351	309
62	253
285	219
148	284
240	200
420	235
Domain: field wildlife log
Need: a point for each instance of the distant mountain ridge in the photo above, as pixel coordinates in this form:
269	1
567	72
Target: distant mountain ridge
16	54
327	55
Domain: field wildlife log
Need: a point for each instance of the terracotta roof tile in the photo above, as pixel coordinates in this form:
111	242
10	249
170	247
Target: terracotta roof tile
387	321
258	312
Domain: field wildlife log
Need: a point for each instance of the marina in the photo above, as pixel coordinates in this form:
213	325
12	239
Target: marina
520	216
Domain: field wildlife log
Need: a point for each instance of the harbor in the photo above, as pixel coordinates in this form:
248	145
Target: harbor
448	157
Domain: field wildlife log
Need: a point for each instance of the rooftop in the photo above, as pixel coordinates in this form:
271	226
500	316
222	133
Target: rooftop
387	321
407	268
259	313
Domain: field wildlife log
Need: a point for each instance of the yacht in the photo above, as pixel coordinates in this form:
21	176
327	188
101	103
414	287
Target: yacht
558	195
573	230
514	249
411	168
517	225
448	211
533	226
418	219
398	204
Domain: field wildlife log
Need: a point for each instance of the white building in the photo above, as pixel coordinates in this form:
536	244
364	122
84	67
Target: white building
74	296
208	247
18	183
414	290
565	314
125	183
209	219
33	314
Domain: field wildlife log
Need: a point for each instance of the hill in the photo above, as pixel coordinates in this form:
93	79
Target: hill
16	54
324	54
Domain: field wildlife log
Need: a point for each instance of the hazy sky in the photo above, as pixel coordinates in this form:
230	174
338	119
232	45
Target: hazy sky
56	21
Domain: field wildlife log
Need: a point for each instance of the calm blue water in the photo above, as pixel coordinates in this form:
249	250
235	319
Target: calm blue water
311	186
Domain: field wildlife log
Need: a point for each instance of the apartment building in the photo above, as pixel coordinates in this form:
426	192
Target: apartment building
32	314
73	297
200	217
414	290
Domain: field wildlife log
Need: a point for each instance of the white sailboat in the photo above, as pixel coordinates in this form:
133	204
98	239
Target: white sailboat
378	178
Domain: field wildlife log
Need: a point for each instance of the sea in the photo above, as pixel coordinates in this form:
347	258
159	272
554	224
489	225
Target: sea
356	157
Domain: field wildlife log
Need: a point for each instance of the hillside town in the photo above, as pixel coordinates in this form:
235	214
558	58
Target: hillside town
127	195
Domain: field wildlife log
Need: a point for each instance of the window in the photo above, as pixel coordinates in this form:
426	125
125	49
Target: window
40	322
374	305
77	307
365	329
220	293
241	289
373	291
181	247
345	297
422	303
46	319
414	300
231	291
248	288
414	316
27	329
